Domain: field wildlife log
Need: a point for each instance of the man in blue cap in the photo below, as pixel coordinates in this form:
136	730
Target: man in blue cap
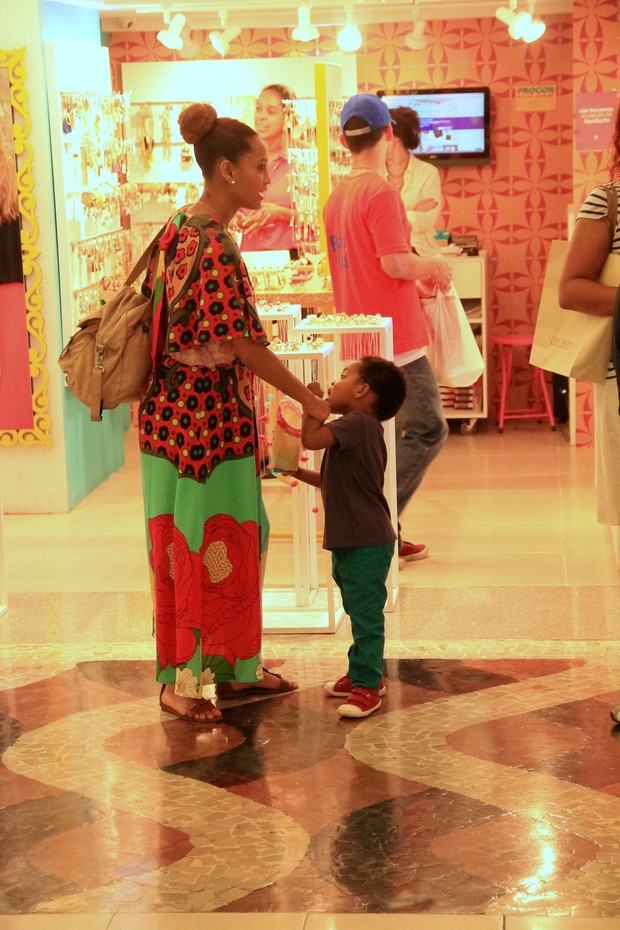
373	270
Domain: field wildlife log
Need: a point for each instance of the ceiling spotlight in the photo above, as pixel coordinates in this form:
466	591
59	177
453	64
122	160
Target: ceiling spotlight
415	39
171	35
535	28
534	31
191	48
521	25
304	31
349	38
221	40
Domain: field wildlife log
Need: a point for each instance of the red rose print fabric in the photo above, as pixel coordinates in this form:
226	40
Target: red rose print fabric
214	592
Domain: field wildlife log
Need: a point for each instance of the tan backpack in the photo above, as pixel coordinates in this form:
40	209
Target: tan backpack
108	360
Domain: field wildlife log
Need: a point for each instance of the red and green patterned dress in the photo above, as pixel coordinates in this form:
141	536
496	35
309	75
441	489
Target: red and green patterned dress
205	522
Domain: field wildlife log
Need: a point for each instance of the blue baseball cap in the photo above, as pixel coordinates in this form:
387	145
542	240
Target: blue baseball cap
368	107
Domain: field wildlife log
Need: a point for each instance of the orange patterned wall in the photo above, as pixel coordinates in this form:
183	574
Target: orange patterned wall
517	203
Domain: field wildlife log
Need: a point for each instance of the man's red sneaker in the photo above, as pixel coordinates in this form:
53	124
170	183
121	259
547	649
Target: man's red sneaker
410	552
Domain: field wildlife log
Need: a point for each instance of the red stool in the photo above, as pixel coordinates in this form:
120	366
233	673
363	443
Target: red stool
542	405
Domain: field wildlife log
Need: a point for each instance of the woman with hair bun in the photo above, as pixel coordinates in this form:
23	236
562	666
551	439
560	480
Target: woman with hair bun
207	530
417	181
271	227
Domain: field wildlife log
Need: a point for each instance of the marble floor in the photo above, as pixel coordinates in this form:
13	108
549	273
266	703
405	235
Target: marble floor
484	795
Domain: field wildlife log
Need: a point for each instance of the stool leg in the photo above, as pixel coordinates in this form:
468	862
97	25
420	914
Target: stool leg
506	360
540	378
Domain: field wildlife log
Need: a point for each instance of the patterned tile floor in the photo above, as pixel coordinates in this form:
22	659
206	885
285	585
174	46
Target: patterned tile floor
484	795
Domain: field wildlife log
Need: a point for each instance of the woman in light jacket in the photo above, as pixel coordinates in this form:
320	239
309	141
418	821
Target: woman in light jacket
417	181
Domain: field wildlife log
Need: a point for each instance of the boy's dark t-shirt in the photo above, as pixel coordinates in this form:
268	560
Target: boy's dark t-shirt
352	472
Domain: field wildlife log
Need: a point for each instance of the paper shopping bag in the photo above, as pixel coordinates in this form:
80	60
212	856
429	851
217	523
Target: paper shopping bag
568	342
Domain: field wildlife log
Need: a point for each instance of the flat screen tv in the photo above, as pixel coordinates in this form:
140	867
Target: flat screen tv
454	123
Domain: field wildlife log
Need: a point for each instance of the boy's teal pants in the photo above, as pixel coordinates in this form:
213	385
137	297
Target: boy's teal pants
361	573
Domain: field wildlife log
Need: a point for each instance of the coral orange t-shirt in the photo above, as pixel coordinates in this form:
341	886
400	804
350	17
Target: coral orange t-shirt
365	219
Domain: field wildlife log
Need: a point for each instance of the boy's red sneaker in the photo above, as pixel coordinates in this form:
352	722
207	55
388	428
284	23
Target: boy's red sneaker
361	703
412	552
342	687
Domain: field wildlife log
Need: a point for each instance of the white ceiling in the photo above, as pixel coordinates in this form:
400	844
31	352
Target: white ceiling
204	14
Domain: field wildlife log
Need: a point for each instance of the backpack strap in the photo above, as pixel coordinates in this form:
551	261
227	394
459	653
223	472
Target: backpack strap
142	262
160	299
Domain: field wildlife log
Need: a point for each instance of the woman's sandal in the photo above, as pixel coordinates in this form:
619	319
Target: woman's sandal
225	691
191	714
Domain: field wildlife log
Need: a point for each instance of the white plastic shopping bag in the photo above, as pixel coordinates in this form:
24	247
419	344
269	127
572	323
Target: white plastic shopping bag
453	351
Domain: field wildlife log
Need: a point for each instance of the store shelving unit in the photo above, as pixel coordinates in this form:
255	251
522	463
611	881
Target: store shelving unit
470	404
90	156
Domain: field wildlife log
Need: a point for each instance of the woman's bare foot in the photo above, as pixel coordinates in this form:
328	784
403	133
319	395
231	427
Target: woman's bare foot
196	710
270	681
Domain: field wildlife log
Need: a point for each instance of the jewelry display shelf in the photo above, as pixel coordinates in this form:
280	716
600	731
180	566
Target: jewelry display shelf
314	298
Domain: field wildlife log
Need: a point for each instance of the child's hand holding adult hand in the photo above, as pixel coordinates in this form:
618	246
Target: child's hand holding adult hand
317	408
316	388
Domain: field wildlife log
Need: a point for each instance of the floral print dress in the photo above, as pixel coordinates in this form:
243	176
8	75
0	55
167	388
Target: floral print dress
205	521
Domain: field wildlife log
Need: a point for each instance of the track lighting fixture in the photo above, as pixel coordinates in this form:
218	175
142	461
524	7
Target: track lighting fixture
191	48
415	39
349	38
221	40
304	31
521	25
535	27
171	35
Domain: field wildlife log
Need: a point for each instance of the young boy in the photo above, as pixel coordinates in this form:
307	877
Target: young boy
358	526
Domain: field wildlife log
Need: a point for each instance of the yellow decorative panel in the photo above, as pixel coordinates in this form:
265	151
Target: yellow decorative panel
39	433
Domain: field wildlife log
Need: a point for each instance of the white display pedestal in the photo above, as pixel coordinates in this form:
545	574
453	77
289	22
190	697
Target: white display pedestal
305	606
382	330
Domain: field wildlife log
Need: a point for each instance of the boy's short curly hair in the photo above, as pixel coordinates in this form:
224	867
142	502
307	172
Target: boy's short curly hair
386	381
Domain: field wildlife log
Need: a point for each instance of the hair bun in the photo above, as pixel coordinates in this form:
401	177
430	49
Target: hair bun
196	120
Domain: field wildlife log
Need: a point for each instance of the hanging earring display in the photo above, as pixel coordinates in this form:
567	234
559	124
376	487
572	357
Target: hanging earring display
95	123
339	156
146	134
95	156
303	157
166	133
186	158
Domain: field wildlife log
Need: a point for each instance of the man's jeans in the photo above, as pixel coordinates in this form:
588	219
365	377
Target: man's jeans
421	429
